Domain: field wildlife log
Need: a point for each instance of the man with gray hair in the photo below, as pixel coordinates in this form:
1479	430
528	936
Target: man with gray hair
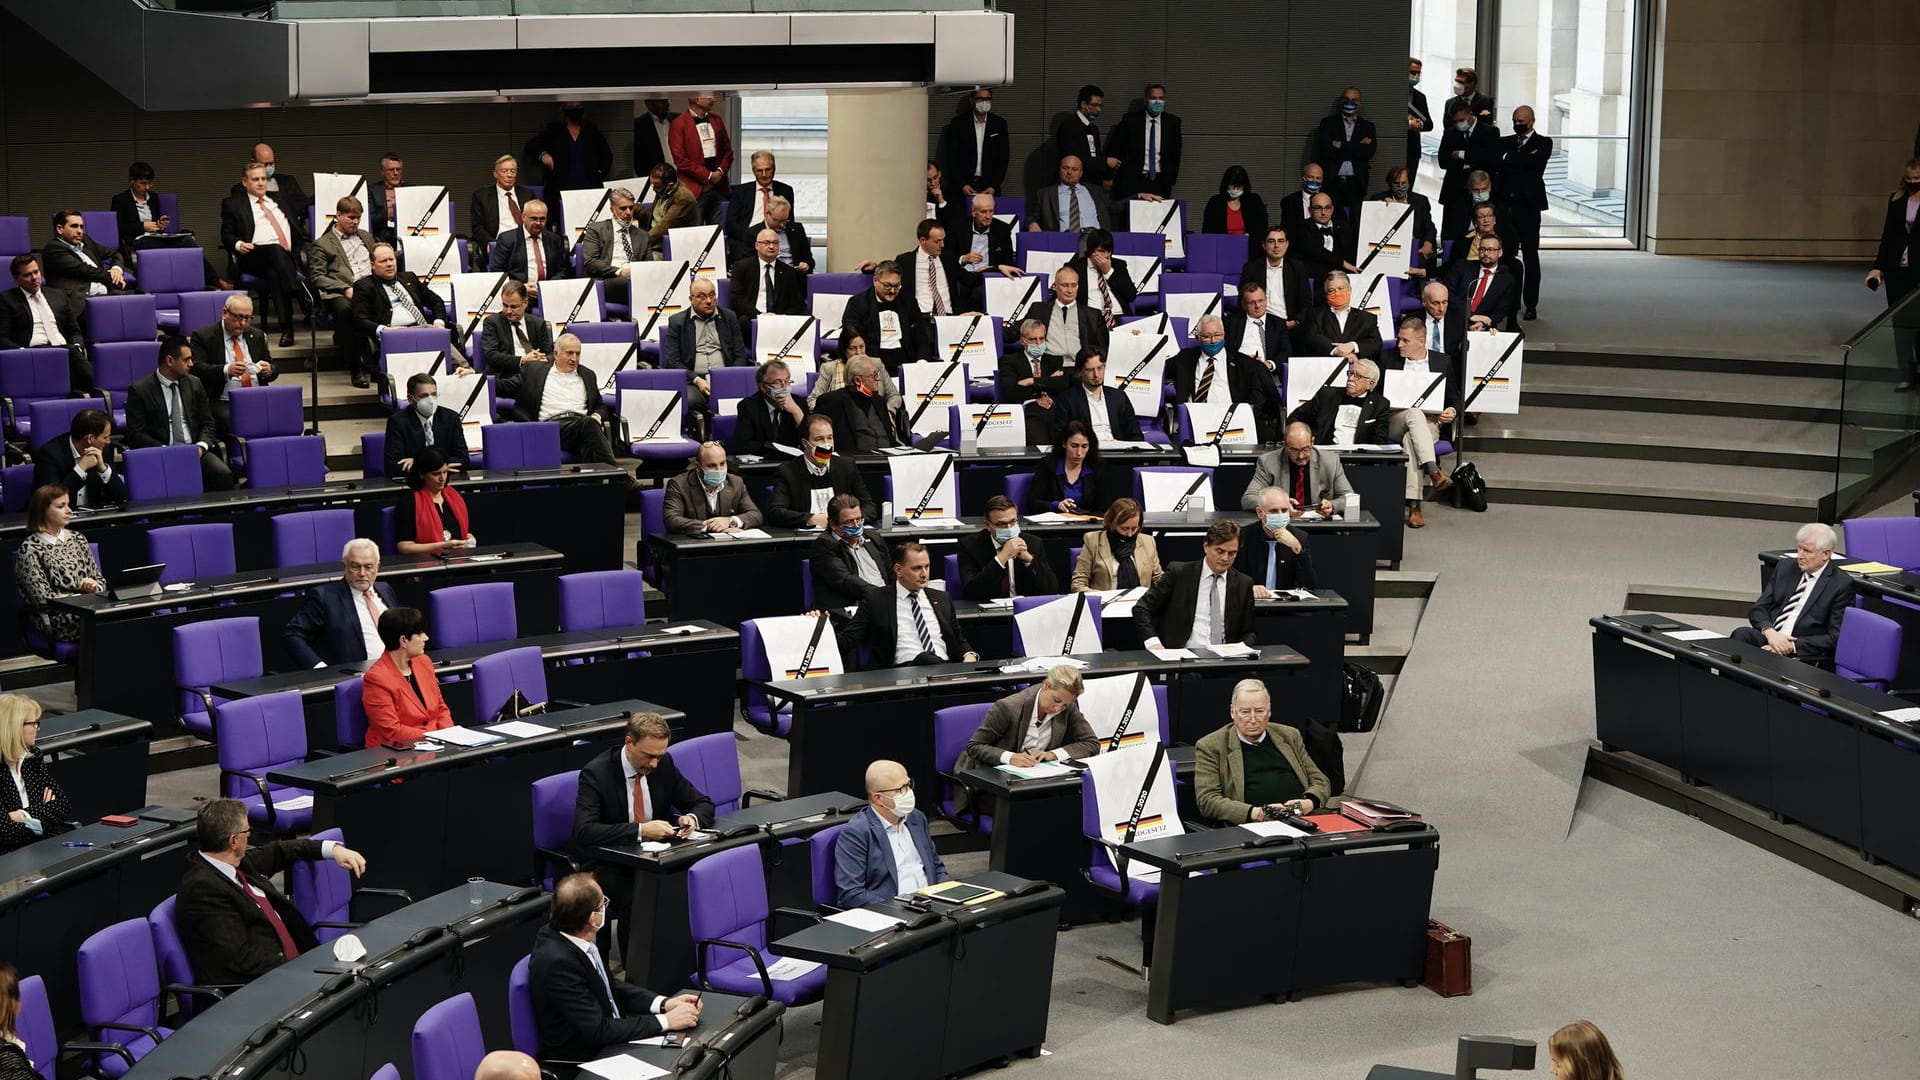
703	337
567	392
795	249
611	241
988	243
1799	612
1211	373
1349	415
1337	328
861	417
340	621
750	205
1254	769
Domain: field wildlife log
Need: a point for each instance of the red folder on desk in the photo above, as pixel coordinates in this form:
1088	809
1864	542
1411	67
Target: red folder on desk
1334	822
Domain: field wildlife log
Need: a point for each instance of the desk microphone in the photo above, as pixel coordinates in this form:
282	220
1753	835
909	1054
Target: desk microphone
521	897
1730	658
421	937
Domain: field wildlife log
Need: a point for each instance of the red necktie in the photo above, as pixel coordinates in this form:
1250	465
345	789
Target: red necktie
279	233
371	608
539	257
1480	291
641	811
766	203
246	377
287	947
513	207
1300	485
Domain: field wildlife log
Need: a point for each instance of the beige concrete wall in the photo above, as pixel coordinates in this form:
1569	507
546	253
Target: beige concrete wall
1779	126
876	194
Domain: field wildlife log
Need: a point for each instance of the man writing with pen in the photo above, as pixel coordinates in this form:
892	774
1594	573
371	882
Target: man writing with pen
633	793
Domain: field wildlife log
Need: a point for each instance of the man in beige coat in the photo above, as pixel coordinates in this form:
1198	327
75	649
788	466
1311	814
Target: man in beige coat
1252	769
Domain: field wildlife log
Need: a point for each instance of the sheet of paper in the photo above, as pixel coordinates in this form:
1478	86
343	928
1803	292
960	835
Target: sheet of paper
1695	635
1206	456
1299	594
748	459
938	523
1173	654
790	451
1310	515
863	919
742	534
998	602
621	1067
654	847
1870	568
300	802
1233	650
679	629
1272	828
1042	771
896	451
1053	518
460	736
657	1040
788	967
1125	444
1904	716
520	729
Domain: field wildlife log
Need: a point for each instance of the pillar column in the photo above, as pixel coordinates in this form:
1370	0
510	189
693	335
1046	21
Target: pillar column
876	173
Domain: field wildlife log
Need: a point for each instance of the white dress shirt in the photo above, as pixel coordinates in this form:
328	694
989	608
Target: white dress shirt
94	288
1217	391
231	873
1253	341
228	343
359	259
646	793
909	873
1277	289
564	393
46	329
979	146
923	265
507	224
906	639
265	213
80	495
1792	613
369	620
1101	423
1036	736
20	785
1202	632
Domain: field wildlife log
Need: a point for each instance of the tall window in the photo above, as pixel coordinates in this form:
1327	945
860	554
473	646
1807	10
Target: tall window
794	127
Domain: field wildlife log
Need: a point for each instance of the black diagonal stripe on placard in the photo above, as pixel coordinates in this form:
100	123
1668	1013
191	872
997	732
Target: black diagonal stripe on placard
593	217
932	392
1181	506
420	226
1384	237
1126	716
672	404
940	475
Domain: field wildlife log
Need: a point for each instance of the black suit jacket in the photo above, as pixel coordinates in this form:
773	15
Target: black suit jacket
1503	291
1129	144
1071	138
862	316
1523	171
227	938
965	289
54	814
376	219
758	429
1047	488
127	216
1293	209
406	437
1817	629
500	347
1319	412
1120	283
836	583
956	155
842	408
147	413
553	139
1308	244
1317	332
570	1006
743	214
646	146
210	356
600	808
1247	382
981	578
873	625
372	306
1293	278
1482	151
1166	611
1015	366
1291	572
792	501
326	629
511	254
533	383
236	221
483	211
1000	250
1333	129
53	464
1072	404
70	274
743	290
1895	240
1274	337
16	322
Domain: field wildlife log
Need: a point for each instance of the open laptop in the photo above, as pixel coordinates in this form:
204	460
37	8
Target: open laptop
138	582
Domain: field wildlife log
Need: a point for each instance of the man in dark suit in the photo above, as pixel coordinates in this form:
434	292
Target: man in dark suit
748	203
862	422
610	243
796	250
707	499
424	423
572	152
282	188
79	265
1106	411
579	1009
1523	196
512	341
650	128
1336	328
846	562
1295	204
771	416
630	794
169	408
1446	321
80	463
496	208
383	199
531	253
974	149
1212	373
1147	144
996	561
1071	205
228	354
341	255
884	319
1034	372
1079	135
1344	146
33	316
1106	284
1419	229
233	923
1799	612
867	867
762	284
1417	422
1485	291
1254	331
1325	242
264	237
1419	116
1200	603
907	623
1349	415
390	296
1272	554
803	487
1285	279
567	392
1469	146
1071	325
986	242
339	623
930	278
703	337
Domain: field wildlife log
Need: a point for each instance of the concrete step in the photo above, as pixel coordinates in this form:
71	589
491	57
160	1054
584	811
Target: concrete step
1624	434
1804	365
1759	395
1665	487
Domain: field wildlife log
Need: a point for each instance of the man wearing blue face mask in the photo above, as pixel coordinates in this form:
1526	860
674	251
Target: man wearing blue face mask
770	416
1147	145
846	563
999	561
1213	373
1469	146
1297	206
1344	146
707	499
1272	553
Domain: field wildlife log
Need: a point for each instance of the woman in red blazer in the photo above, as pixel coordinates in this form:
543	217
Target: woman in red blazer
400	695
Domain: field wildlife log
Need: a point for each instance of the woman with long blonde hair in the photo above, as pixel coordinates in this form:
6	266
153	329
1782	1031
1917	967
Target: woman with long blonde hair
30	800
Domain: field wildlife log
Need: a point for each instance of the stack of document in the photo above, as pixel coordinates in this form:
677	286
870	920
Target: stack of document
1173	654
1040	665
938	523
461	736
1054	518
1042	771
1870	568
1233	650
1272	828
741	534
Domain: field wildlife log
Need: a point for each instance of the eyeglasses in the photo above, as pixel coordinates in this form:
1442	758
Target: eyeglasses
908	786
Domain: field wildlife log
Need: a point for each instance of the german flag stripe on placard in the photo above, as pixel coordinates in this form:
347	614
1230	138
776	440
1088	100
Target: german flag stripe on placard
810	673
1148	822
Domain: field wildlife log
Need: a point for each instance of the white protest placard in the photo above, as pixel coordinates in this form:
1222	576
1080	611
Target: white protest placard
1137	364
1190	306
1185	491
1118	778
699	245
1144	269
330	187
1403	390
475	296
1386	238
1009	298
1373	294
582	208
426	210
609	357
1164	218
1105	704
652	415
791	339
565	301
990	427
1061	627
831	310
1307	374
968	338
1231	425
1493	362
1044	263
930	390
800	646
658	290
924	486
467	395
401	366
434	259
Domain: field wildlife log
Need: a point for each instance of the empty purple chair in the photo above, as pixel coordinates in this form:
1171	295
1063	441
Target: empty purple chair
1891	540
117	365
15	239
192	552
497	676
349	714
35	1027
953	726
1049	241
123	317
1218	253
198	309
413	339
166	273
527	445
286	461
1018	484
27	376
261	412
257	735
103	227
553	798
472	614
311	536
521	1019
447	1044
175	969
820	862
1192	284
208	652
120	995
323	892
16	488
598	599
163	472
1868	651
727	915
373	455
53	418
755	668
1102	871
712	764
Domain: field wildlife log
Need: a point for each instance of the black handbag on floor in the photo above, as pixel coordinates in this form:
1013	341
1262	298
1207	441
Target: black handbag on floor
1361	698
1323	745
1469	491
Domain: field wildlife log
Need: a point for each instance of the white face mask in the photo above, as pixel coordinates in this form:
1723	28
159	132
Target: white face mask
426	405
903	803
983	107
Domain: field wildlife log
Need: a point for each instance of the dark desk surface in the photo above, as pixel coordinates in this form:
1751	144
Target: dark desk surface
891	681
45	865
76	730
342	773
1324	600
838	945
720	1027
776	820
1207	849
1196	521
